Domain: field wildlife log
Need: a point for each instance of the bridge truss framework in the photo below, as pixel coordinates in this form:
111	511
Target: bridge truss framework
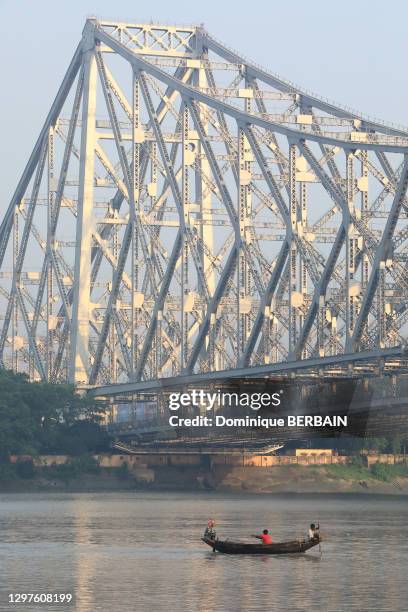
185	212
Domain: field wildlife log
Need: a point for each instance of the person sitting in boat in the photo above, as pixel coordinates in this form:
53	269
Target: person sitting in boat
314	532
265	537
209	532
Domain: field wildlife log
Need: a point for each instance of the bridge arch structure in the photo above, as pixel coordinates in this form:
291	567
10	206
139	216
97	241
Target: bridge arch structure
186	212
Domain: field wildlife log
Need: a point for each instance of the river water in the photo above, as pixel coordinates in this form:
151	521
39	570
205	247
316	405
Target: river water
134	551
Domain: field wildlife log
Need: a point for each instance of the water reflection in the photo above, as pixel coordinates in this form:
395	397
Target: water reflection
86	565
142	551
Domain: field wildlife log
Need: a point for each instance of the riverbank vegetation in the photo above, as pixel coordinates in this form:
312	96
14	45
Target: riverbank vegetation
357	471
43	418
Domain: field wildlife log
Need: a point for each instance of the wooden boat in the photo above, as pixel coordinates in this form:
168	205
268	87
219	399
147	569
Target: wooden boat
278	548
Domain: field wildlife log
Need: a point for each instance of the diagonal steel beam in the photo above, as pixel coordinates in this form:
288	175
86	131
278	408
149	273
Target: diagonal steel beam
51	119
158	307
380	255
320	290
265	301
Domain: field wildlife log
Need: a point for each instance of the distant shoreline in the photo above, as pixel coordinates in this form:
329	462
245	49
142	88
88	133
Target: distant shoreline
321	480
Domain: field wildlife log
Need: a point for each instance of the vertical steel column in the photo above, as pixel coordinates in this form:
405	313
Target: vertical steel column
242	268
321	322
302	263
274	329
184	351
157	341
248	156
244	211
351	245
48	255
364	220
333	333
212	343
14	333
79	349
293	252
112	330
152	188
134	218
306	110
382	319
266	335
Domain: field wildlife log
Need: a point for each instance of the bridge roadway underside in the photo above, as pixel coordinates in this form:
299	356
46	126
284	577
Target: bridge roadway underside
376	418
362	364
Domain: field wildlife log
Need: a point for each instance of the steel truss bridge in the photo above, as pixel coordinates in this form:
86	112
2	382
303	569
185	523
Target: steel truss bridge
185	212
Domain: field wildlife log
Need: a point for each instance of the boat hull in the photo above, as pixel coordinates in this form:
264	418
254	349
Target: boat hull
278	548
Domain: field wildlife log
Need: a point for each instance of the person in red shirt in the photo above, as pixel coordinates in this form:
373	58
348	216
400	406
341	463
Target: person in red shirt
210	530
265	537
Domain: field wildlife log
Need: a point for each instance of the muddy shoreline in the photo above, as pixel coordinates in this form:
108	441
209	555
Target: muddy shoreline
259	480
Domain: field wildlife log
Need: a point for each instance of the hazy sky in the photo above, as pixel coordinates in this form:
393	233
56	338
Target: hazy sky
352	51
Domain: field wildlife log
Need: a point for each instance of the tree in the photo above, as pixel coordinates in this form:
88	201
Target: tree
47	418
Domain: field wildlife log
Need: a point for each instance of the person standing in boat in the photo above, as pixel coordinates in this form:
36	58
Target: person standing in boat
210	532
314	532
265	537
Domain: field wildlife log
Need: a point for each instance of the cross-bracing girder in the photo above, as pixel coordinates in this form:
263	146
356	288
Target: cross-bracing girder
185	212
